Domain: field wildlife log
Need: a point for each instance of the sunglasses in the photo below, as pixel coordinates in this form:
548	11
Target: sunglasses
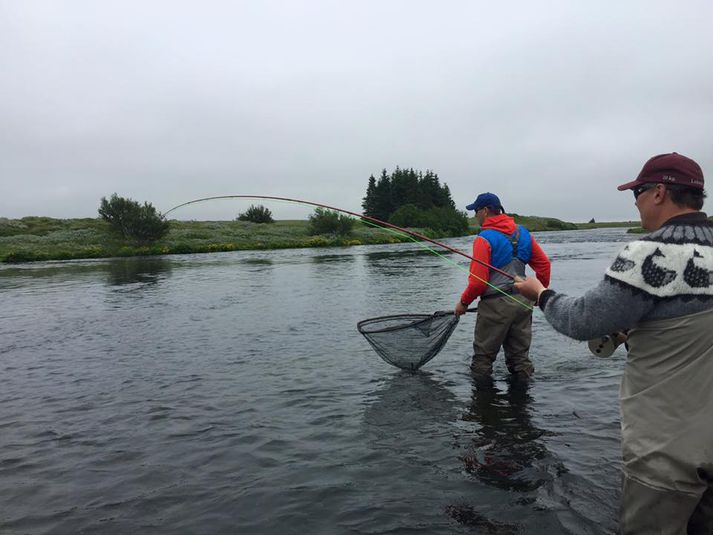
638	190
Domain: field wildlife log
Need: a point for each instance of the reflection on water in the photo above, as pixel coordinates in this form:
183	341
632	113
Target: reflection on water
407	428
406	262
469	516
147	270
506	444
507	451
119	271
258	262
53	273
405	405
331	258
416	252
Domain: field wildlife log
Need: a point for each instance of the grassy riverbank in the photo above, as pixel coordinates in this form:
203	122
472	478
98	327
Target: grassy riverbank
610	224
43	238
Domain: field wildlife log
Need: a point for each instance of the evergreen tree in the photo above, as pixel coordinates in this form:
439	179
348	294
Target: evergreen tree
429	190
383	205
404	187
369	202
446	200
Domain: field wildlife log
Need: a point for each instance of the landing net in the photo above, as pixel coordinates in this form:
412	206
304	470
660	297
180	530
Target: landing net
409	341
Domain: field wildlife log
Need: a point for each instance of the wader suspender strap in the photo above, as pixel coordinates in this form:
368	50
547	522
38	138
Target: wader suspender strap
514	239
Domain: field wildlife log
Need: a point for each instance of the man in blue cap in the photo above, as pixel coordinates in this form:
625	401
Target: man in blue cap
504	317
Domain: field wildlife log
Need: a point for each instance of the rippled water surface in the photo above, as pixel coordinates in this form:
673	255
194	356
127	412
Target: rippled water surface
231	393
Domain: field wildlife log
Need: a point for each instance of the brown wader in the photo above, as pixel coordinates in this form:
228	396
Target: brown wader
502	322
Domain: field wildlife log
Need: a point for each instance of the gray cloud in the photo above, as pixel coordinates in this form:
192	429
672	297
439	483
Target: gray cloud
549	105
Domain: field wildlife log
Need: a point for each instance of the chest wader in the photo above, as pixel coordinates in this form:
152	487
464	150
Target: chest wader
503	322
667	436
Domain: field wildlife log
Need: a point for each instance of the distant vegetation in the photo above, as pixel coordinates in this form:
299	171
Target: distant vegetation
536	223
126	228
609	224
257	214
324	221
139	224
409	198
43	238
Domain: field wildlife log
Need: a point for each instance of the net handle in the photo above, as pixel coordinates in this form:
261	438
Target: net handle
451	312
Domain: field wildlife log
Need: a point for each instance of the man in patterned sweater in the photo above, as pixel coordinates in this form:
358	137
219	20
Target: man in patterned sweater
660	289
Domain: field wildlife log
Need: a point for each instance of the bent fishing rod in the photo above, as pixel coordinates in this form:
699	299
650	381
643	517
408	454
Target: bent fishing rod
353	214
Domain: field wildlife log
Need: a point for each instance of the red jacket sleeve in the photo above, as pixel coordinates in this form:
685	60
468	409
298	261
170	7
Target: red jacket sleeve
479	273
540	264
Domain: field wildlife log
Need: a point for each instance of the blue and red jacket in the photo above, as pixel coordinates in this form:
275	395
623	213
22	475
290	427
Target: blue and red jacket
505	245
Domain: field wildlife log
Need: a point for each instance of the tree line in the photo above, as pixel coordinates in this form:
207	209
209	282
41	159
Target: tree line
405	197
410	198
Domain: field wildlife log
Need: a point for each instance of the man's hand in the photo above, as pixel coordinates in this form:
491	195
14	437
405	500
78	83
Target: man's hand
460	309
530	288
620	337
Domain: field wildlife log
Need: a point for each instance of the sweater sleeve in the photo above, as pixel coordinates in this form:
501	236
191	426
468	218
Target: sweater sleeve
479	273
540	264
604	309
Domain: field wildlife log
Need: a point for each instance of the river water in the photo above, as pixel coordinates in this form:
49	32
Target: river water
232	393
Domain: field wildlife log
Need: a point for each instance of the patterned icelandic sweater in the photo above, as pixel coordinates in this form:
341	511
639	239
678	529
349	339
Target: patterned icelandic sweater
665	274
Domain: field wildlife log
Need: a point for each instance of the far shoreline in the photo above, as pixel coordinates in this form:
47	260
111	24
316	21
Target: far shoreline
37	239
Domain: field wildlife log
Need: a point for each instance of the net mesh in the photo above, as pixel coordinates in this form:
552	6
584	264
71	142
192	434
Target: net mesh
409	341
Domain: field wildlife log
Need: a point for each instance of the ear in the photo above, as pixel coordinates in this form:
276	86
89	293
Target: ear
659	194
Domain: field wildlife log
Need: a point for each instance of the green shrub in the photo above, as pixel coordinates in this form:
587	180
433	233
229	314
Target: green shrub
441	220
22	256
557	224
408	215
10	227
536	223
324	221
141	224
257	214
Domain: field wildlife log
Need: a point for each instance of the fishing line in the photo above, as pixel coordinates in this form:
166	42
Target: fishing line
450	261
377	223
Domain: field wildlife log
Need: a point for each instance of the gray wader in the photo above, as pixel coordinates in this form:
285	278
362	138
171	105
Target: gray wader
503	322
667	427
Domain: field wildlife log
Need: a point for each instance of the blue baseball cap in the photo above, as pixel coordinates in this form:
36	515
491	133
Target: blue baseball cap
485	199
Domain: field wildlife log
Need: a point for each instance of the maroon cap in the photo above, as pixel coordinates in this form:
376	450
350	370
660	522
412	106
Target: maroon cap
670	168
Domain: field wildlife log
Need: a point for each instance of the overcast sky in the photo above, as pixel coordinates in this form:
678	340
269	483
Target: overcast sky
550	105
